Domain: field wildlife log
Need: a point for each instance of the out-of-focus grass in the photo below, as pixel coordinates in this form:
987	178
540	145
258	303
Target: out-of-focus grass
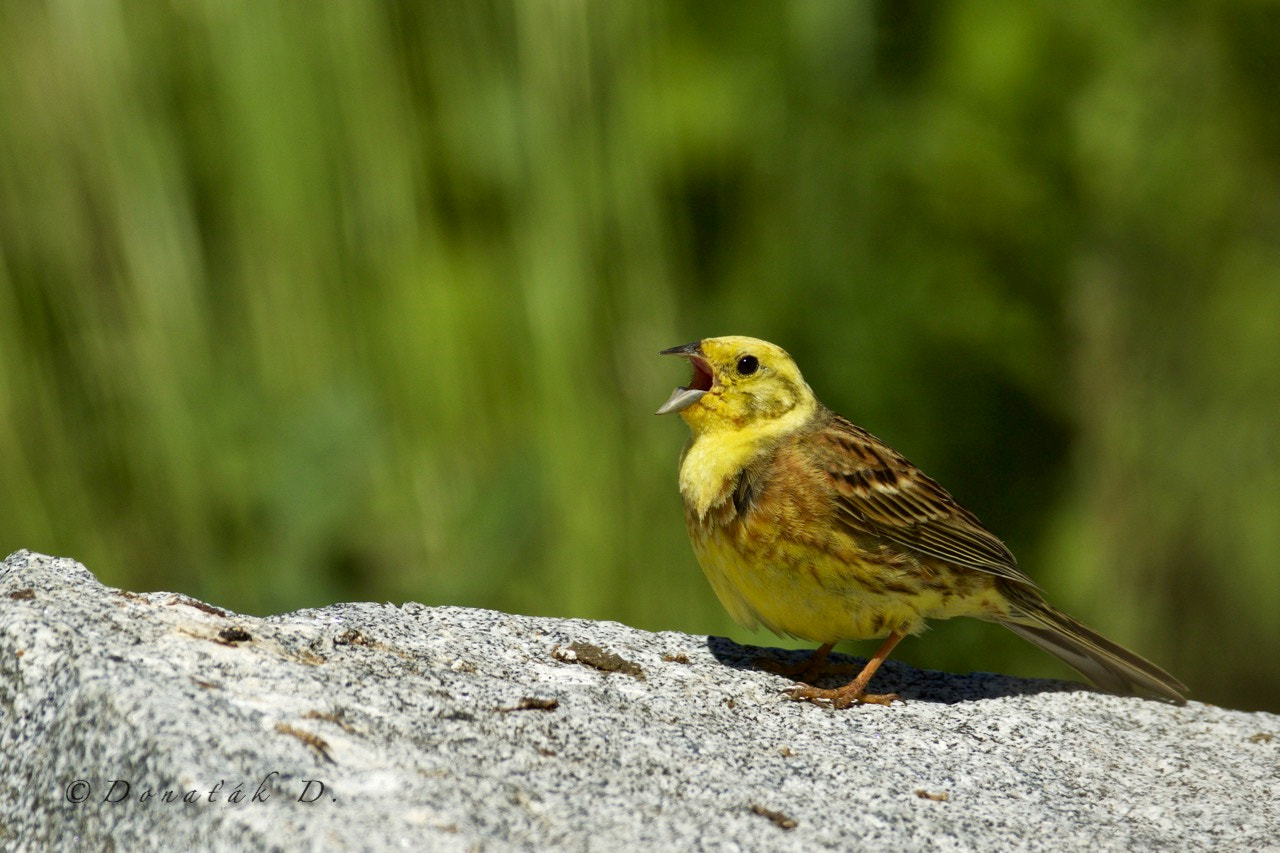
308	302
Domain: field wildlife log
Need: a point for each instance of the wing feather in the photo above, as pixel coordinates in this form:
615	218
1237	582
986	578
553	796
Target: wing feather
881	493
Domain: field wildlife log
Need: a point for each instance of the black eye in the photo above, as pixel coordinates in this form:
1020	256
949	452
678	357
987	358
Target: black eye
748	364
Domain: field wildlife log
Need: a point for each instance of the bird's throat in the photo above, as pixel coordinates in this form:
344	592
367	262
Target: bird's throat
713	459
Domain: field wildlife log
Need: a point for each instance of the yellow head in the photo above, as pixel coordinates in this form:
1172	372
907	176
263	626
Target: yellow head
738	383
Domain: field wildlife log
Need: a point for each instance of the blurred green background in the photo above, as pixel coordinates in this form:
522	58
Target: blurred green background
309	302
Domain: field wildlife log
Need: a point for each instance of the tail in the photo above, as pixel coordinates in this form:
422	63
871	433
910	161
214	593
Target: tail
1110	666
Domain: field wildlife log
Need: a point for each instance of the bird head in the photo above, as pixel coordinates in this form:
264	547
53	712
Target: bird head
737	382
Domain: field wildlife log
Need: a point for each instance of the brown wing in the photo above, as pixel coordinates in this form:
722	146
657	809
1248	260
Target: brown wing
883	494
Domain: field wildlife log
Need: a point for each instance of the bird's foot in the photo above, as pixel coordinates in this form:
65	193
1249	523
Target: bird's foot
842	697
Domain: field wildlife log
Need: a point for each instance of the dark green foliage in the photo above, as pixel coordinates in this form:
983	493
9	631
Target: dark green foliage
306	302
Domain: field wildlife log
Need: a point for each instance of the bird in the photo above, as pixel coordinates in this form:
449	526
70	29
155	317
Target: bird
808	525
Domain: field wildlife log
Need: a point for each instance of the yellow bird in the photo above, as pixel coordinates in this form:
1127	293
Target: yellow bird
809	525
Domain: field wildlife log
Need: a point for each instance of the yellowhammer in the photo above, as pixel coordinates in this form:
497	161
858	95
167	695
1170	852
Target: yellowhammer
814	528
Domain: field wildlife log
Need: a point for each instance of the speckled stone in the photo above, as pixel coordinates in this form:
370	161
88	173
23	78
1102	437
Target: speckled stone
369	726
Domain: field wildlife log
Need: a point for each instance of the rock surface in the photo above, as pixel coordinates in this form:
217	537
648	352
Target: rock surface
368	726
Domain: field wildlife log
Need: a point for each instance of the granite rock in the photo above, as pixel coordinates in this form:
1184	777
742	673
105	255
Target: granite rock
152	720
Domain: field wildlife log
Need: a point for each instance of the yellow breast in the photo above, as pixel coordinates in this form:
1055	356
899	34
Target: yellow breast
784	562
795	591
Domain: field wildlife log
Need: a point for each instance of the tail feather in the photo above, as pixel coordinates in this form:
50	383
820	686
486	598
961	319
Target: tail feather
1108	665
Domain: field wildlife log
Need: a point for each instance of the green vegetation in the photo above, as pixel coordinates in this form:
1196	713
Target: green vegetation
302	302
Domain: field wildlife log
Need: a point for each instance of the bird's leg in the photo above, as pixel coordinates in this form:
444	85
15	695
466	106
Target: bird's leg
808	669
854	691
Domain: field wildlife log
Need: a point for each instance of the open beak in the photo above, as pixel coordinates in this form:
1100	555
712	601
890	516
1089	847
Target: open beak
699	383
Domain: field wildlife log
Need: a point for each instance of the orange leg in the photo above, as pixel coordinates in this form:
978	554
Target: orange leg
806	670
813	667
855	691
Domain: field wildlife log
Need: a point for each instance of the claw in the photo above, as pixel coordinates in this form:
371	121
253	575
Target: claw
853	693
841	697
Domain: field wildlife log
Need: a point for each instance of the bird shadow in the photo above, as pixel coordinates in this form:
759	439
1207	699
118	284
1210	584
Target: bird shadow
909	683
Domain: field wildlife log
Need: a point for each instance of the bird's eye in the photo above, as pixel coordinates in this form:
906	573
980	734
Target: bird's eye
748	364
